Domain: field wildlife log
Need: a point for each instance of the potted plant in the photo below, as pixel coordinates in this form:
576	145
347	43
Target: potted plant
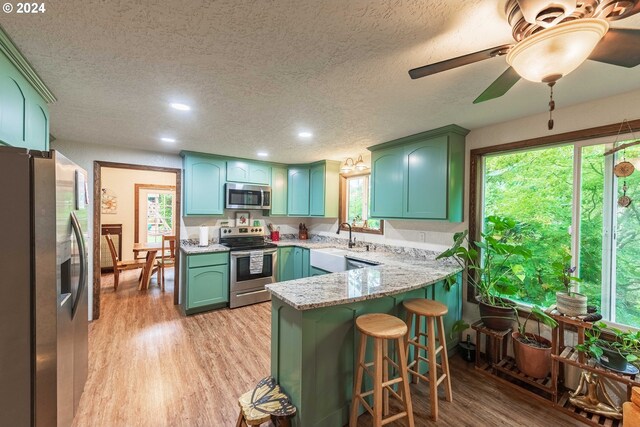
493	276
533	352
568	302
615	354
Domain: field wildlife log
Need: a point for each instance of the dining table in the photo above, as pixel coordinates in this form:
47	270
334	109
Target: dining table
152	252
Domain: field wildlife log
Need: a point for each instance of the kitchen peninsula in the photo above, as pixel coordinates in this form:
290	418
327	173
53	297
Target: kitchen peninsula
312	326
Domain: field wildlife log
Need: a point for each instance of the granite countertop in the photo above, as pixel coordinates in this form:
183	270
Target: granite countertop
192	249
396	274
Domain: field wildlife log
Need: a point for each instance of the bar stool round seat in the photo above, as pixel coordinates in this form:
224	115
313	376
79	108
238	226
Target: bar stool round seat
431	341
378	325
426	307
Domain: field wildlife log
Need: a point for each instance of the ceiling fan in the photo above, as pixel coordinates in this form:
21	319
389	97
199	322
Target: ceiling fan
552	38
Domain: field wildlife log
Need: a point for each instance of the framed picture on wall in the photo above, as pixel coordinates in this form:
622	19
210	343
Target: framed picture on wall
242	218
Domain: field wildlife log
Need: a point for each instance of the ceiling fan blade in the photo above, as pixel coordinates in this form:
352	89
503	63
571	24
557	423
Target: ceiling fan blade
620	46
500	86
427	70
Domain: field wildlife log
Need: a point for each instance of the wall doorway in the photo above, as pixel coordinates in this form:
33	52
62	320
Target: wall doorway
145	206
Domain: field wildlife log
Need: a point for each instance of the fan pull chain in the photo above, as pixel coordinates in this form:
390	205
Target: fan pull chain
552	105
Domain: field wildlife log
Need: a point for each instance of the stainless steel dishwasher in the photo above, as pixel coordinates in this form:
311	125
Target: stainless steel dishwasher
353	264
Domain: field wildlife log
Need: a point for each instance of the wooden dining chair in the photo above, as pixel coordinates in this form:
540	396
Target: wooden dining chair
118	265
167	257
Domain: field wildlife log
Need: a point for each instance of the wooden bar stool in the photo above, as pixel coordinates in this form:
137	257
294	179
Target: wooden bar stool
382	328
429	310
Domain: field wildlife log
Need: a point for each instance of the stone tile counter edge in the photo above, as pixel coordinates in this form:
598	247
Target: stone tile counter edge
192	249
360	285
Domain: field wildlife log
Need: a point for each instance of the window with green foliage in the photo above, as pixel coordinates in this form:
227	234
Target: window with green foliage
565	199
354	201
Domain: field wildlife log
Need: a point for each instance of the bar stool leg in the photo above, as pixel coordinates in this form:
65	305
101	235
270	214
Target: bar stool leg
385	377
357	386
405	393
416	350
377	383
444	360
433	370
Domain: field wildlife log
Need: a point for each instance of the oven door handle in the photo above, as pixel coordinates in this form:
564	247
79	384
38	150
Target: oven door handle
247	253
243	294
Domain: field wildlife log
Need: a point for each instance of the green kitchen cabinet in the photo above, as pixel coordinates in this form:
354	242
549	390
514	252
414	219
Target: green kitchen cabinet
204	178
452	298
205	283
293	263
278	190
323	189
300	263
387	181
286	263
298	191
315	271
24	114
420	176
425	183
248	172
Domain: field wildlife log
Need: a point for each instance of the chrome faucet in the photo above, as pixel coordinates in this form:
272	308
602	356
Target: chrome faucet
351	243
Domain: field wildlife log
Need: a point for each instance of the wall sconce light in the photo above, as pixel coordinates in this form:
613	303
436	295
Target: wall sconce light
349	165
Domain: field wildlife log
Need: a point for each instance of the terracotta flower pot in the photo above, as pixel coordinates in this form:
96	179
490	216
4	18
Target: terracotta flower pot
495	317
571	304
532	361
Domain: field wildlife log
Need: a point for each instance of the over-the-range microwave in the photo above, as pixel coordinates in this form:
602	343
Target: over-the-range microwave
243	196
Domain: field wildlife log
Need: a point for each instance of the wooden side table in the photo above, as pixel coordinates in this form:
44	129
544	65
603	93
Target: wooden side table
495	344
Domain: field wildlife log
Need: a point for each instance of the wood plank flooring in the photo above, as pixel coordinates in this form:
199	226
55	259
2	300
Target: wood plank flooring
150	366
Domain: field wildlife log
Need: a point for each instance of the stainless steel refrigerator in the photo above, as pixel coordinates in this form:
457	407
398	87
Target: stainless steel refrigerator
43	287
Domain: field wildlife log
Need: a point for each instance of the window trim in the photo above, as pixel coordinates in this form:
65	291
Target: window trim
476	162
342	205
136	206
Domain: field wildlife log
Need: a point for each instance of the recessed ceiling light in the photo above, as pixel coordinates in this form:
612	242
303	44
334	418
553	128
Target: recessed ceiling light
165	139
305	134
180	107
262	153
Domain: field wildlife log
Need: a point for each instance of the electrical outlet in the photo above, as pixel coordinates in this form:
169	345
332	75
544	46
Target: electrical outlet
423	236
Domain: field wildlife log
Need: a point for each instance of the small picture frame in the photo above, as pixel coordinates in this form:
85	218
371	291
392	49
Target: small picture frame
243	218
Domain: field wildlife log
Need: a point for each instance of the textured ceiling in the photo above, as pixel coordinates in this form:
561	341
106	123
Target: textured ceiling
257	72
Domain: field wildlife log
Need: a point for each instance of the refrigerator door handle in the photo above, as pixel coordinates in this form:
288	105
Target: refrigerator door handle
77	231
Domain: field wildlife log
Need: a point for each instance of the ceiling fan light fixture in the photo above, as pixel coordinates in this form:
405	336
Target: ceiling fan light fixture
555	52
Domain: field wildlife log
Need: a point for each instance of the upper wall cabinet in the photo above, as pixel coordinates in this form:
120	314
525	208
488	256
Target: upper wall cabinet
420	176
204	178
249	172
298	191
313	190
324	182
278	190
24	115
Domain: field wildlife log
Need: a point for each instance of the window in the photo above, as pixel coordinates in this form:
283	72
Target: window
566	200
354	204
155	212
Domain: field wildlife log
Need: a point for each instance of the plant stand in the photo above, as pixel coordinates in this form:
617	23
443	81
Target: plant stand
568	355
495	346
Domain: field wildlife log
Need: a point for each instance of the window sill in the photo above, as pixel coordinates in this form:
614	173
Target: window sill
362	230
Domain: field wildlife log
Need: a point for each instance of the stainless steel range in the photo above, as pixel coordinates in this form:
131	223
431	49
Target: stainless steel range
253	264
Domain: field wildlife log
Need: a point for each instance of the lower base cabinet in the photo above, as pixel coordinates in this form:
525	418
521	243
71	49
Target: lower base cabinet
293	263
205	282
315	271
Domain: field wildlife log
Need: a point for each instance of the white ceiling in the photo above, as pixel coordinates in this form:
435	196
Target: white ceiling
257	72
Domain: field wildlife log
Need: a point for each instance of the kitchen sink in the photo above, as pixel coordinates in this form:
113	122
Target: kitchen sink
328	259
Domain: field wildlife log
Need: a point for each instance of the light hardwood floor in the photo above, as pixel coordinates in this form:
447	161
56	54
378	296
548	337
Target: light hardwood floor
150	366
